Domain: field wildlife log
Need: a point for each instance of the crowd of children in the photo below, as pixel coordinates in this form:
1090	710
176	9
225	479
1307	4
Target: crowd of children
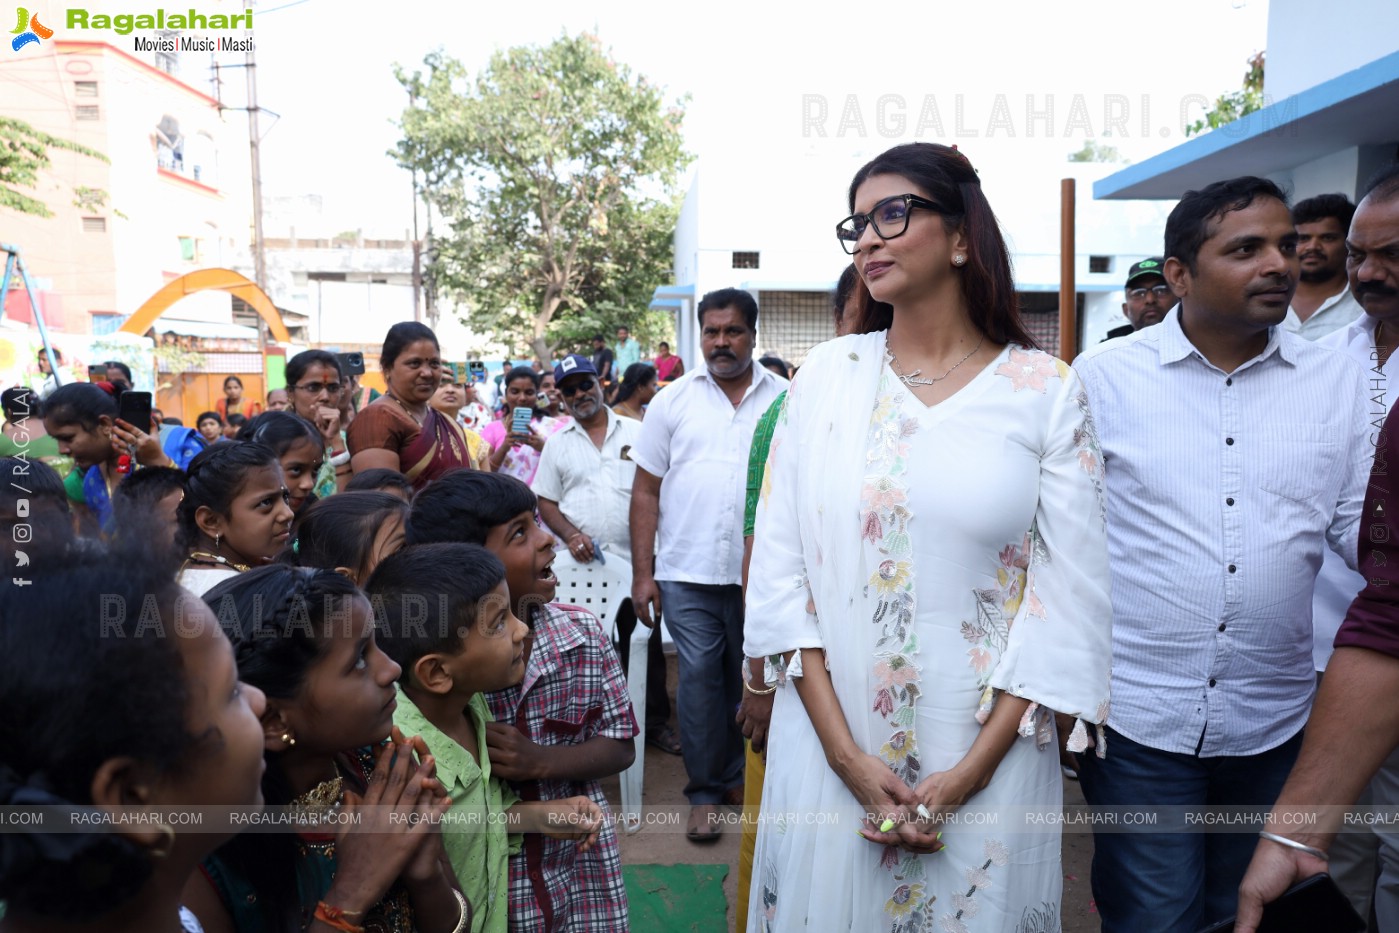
230	640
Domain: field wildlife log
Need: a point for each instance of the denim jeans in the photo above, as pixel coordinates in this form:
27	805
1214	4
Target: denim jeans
1175	882
706	624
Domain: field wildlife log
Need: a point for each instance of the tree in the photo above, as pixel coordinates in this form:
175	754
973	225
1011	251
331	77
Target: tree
1234	104
24	152
1094	151
555	171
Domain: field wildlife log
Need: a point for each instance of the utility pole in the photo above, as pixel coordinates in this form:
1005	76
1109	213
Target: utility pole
255	147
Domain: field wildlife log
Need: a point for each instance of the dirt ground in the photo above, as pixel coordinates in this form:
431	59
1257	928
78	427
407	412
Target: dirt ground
667	845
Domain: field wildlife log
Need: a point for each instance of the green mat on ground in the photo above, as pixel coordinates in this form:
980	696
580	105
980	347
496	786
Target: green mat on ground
677	898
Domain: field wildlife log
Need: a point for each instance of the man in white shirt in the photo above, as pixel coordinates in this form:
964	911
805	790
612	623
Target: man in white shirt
1323	303
1235	453
1353	855
584	487
692	466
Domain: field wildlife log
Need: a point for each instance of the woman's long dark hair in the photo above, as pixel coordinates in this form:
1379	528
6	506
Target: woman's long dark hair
948	178
636	376
265	612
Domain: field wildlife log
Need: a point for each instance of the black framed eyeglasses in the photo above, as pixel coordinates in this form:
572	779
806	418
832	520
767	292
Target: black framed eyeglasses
1160	291
889	219
316	388
572	389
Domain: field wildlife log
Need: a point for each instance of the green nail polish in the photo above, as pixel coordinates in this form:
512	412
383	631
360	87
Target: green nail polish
886	826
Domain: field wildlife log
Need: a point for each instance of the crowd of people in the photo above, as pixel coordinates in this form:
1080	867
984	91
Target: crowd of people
936	569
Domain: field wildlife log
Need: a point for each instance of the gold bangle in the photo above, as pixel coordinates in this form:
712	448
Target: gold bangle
743	675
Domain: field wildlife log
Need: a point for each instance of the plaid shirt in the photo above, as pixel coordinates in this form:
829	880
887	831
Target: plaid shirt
573	690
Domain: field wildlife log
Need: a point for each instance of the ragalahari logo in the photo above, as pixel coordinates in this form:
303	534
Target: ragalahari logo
28	29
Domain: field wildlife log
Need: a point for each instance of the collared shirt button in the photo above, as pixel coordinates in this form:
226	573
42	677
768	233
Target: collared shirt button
1221	626
1229	441
1229	501
1232	568
1211	681
1229	381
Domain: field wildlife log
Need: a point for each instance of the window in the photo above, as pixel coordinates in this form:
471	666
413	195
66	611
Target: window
189	250
87	112
745	260
84	88
106	322
1099	263
94	225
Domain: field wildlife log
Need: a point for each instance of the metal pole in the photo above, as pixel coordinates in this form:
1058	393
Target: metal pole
15	260
255	148
1068	294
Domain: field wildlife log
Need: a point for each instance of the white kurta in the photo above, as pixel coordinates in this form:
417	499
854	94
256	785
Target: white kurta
939	556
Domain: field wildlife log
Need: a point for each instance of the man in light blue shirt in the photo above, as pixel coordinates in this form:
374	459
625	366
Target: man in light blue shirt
1236	454
628	352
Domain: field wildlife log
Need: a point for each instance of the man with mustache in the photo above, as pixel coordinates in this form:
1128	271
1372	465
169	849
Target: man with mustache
1323	303
1148	297
1235	455
584	485
691	479
1354	728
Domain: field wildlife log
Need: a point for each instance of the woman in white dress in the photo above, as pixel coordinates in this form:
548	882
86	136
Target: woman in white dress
930	585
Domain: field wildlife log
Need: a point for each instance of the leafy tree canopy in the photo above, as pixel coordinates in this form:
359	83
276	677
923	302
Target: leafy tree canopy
555	171
24	152
1231	106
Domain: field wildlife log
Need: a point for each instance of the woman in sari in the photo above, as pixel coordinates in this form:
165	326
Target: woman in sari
401	431
929	586
669	367
233	402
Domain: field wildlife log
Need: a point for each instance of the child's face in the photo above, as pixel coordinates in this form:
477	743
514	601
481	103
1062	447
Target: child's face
210	429
227	770
527	551
300	465
259	519
348	698
493	652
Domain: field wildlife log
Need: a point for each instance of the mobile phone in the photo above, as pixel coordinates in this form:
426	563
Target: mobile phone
520	419
1311	904
135	409
97	372
351	364
477	369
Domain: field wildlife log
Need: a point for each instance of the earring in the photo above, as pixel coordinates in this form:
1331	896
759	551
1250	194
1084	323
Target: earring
166	844
217	537
959	259
289	739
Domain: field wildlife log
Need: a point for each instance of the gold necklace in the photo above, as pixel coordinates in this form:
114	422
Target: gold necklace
204	557
911	379
404	405
319	801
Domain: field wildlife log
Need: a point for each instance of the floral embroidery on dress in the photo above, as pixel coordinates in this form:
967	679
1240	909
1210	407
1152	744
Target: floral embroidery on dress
996	608
1028	369
767	913
884	520
1090	452
978	877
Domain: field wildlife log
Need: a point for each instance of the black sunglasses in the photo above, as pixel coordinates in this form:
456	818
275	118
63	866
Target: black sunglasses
582	385
889	219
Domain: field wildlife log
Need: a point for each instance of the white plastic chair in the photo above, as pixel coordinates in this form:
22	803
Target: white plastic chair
601	589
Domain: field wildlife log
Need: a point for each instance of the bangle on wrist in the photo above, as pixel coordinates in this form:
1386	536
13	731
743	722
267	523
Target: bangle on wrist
336	918
1294	844
743	675
464	920
340	459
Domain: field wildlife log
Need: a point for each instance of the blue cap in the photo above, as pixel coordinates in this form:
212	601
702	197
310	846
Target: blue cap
573	365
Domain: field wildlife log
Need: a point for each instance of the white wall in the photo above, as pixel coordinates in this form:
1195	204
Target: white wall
1310	43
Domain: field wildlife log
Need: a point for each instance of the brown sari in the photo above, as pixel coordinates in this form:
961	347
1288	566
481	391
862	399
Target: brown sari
424	451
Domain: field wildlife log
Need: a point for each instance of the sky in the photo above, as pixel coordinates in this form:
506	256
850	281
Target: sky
764	81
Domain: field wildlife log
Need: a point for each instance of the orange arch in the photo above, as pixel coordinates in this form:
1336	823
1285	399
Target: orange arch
202	280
